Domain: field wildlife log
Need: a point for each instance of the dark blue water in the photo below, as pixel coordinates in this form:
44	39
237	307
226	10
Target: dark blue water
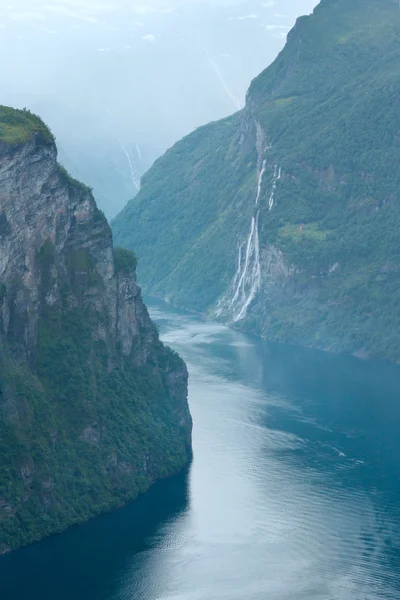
294	492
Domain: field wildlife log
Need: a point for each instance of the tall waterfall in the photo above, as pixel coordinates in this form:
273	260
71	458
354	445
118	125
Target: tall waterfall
260	178
247	280
133	172
276	177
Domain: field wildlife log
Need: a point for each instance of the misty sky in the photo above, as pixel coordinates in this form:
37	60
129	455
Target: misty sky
95	11
119	81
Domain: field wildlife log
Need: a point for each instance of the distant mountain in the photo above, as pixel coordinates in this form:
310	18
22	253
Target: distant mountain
120	82
284	219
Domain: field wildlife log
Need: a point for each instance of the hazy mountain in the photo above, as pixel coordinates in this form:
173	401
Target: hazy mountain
120	81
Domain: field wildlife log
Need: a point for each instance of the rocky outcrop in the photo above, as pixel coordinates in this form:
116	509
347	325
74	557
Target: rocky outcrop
93	408
52	229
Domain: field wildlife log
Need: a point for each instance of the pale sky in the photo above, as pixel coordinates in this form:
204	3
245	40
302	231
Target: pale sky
119	81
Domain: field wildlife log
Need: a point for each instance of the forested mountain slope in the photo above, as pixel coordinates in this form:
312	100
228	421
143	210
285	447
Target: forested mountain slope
284	219
93	408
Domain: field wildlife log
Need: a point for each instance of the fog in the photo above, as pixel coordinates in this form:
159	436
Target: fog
119	81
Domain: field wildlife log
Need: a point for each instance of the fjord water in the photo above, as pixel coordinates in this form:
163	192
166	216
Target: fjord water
293	494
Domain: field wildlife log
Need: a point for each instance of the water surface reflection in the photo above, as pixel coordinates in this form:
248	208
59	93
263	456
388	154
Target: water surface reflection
293	493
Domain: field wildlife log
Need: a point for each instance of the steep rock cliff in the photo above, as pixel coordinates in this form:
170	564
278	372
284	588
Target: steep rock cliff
283	220
93	408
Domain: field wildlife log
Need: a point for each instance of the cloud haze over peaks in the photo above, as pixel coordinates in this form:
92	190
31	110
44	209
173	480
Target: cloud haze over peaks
119	81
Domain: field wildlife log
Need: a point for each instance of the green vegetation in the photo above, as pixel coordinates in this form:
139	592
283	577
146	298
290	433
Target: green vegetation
329	108
180	223
76	433
71	181
86	423
125	261
85	435
19	126
297	233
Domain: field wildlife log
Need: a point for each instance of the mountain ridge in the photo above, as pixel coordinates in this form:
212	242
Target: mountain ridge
323	261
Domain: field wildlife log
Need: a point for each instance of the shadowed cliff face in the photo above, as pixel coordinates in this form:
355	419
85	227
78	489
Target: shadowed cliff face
53	237
93	408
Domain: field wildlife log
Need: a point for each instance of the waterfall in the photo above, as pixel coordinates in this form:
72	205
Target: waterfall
217	71
260	178
247	280
133	172
229	300
254	279
240	289
276	177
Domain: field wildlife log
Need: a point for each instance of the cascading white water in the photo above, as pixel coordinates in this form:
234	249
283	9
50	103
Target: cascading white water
240	289
255	276
276	177
229	300
133	172
217	71
247	280
250	278
260	178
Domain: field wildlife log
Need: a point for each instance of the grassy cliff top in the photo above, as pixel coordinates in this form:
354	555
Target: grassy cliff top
18	126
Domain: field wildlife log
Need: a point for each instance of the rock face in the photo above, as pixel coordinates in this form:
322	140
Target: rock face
283	219
93	408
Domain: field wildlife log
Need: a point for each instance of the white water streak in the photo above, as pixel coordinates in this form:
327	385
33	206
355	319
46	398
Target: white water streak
260	178
222	301
276	177
247	280
218	73
255	278
252	243
138	152
239	269
133	172
249	251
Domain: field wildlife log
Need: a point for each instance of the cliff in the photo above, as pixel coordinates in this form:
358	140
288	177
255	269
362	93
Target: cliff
283	220
93	408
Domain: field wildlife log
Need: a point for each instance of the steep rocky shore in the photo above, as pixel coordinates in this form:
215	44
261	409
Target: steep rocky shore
93	407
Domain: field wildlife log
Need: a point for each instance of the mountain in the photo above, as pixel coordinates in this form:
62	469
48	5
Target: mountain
93	408
120	82
284	219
